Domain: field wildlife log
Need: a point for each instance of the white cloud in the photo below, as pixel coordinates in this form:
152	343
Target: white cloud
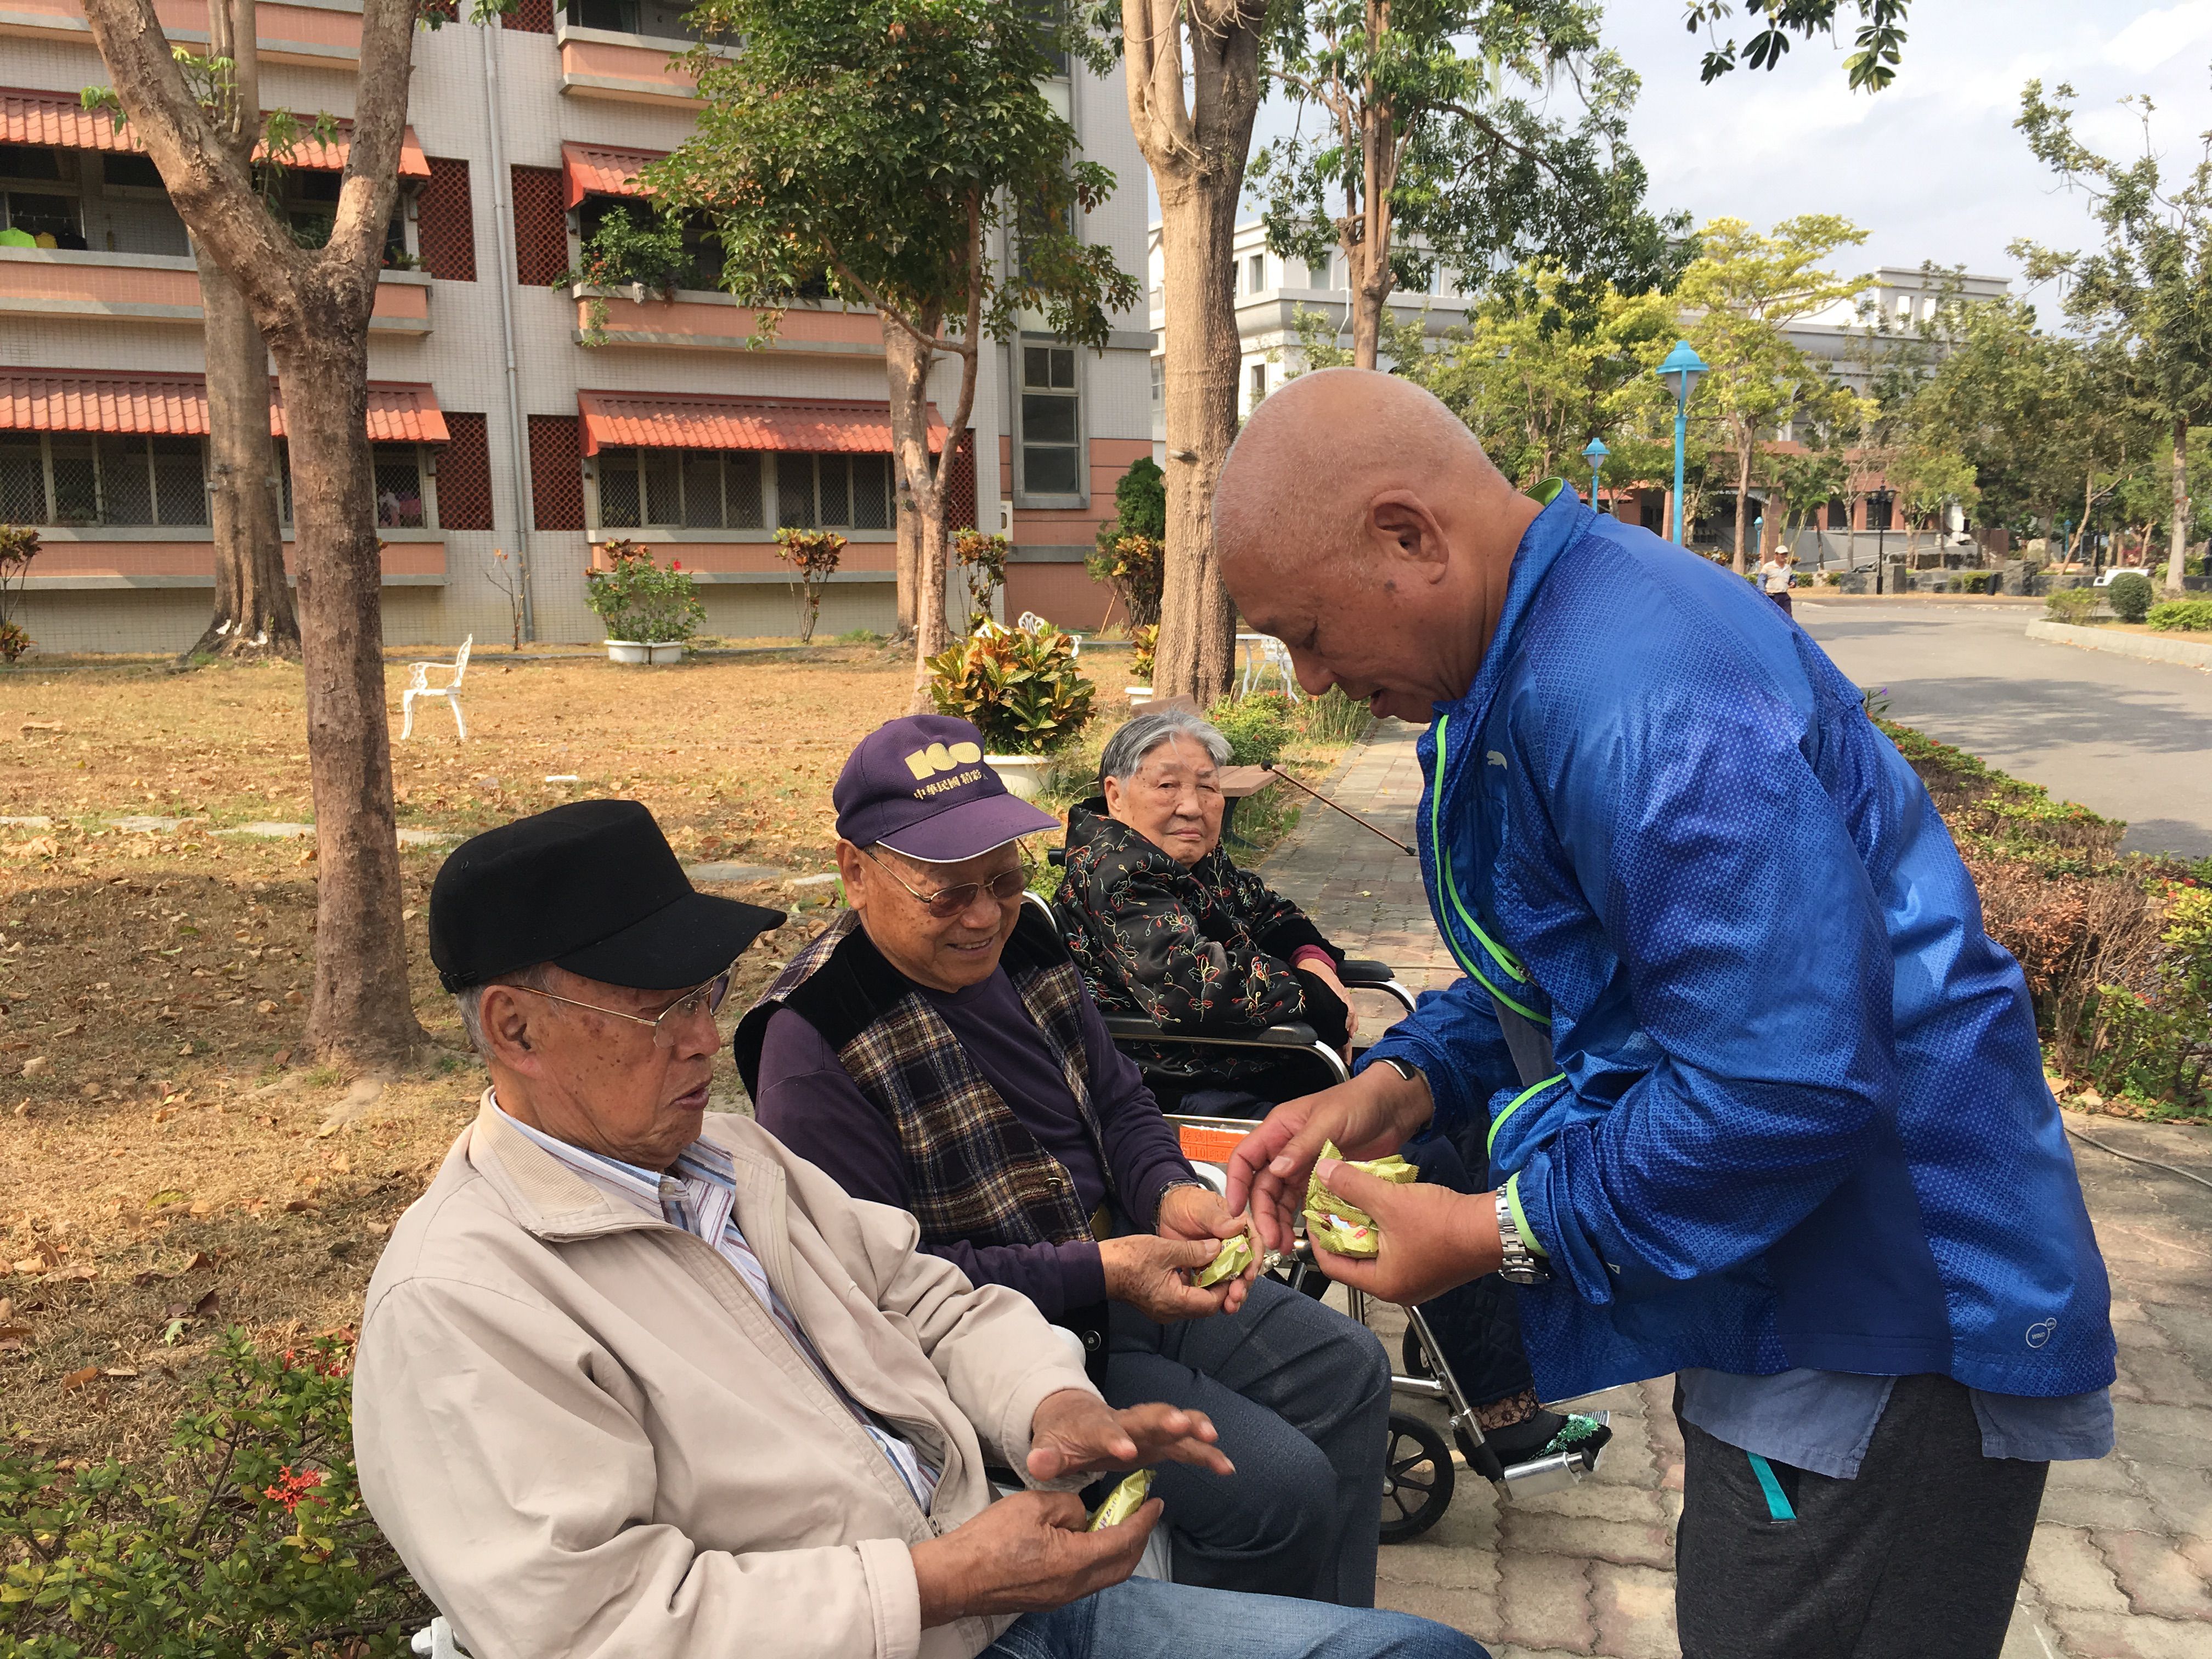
2156	36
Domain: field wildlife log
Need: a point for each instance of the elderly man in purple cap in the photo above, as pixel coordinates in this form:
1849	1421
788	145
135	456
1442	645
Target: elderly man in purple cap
936	1049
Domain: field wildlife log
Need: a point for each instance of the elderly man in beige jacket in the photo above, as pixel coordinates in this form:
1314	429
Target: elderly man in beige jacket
635	1381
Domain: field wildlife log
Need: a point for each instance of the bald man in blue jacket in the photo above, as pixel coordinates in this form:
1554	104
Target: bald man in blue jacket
1762	1104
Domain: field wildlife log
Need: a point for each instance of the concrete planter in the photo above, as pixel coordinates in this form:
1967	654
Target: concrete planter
1023	775
638	652
2191	651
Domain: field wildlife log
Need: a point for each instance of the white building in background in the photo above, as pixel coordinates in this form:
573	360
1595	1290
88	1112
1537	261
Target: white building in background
1902	298
672	432
1270	291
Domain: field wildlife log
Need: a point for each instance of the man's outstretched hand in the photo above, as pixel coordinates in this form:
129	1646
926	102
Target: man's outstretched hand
1428	1238
1076	1432
1368	1117
1024	1554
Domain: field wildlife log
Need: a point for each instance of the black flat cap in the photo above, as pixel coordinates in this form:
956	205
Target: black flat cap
593	887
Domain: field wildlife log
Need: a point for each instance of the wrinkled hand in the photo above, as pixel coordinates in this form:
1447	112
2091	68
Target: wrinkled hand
1326	973
1024	1554
1073	1432
1430	1239
1367	1117
1197	1212
1147	1272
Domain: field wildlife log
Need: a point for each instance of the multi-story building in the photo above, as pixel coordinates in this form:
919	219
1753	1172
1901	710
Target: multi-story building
1271	292
498	427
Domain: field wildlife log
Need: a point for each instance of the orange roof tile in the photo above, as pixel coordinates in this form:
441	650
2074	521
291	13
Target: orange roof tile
69	400
697	421
60	120
600	170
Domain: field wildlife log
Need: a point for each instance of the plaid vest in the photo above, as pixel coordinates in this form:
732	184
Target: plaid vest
975	1172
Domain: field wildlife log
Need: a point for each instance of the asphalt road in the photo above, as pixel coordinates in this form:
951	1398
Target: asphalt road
2126	739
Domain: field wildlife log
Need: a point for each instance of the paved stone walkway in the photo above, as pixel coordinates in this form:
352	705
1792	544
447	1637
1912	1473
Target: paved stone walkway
2122	1564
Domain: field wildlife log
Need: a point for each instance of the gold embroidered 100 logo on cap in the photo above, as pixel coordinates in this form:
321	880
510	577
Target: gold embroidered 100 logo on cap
926	763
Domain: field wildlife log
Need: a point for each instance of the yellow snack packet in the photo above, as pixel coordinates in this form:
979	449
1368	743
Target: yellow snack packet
1236	1256
1343	1228
1124	1501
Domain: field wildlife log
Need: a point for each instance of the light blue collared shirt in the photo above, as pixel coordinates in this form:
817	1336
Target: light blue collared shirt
699	1196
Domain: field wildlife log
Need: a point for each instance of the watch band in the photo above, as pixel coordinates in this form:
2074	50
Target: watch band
1518	1265
1404	1068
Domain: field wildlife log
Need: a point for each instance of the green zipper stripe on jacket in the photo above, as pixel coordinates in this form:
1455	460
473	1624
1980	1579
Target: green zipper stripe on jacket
1502	958
1515	1103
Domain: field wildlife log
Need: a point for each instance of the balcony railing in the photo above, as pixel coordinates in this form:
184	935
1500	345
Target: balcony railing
636	69
697	319
160	287
323	34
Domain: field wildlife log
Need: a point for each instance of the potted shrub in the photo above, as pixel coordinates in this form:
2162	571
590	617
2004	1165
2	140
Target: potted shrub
19	545
1022	692
812	556
649	612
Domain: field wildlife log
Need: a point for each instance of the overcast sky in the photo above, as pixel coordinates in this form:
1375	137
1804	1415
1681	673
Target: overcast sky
1932	167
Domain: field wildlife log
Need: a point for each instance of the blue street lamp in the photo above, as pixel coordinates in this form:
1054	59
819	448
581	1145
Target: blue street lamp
1679	374
1594	452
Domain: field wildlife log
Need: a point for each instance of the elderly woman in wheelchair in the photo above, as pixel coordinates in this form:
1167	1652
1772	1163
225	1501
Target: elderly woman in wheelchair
1172	935
1230	1000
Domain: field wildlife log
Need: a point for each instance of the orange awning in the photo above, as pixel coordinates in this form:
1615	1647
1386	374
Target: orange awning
59	120
821	425
598	170
62	400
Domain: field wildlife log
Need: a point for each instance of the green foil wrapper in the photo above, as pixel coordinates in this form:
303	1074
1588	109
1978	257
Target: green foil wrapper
1340	1227
1235	1256
1124	1501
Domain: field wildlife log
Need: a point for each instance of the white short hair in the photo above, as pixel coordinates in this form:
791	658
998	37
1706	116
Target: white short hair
470	1000
1139	736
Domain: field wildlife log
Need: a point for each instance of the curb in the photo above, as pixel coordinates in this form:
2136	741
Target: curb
2147	647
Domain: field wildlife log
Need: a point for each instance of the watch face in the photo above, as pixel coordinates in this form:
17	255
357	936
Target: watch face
1519	1275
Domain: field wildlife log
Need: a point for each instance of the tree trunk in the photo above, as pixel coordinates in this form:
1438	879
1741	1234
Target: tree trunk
2177	541
1371	290
921	521
1197	621
904	360
360	1008
253	614
1742	502
314	308
1192	68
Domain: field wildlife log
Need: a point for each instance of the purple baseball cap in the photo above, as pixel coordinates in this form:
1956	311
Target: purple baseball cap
919	786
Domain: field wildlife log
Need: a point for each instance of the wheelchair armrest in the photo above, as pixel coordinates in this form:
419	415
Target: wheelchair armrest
1132	1028
1361	974
1055	856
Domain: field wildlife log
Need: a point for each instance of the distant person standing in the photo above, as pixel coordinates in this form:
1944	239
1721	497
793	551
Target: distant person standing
1774	577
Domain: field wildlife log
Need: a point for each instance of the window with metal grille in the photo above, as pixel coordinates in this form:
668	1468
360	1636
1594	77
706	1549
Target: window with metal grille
1159	379
403	501
541	227
836	492
697	488
557	471
444	229
464	474
531	17
83	479
1259	378
1051	447
960	503
398	469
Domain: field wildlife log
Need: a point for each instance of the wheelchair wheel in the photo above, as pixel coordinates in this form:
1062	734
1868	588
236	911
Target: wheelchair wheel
1416	1356
1417	1479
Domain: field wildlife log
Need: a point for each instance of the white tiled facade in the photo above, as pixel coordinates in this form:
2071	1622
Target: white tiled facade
100	587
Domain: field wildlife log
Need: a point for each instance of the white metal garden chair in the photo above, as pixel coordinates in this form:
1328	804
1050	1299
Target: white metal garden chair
418	685
1030	622
1261	652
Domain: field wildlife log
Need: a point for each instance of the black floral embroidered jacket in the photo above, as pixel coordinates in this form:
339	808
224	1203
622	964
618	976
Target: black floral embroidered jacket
1205	949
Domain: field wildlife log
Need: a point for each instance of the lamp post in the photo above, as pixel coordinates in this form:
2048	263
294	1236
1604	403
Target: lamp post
1594	452
1679	374
1880	498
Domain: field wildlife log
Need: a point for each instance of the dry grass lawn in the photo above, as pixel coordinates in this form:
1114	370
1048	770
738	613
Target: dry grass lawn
169	1162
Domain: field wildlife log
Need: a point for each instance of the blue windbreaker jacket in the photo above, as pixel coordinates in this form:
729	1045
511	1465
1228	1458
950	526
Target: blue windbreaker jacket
1800	1118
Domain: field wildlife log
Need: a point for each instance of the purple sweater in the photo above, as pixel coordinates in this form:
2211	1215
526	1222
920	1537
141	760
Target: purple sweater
808	1102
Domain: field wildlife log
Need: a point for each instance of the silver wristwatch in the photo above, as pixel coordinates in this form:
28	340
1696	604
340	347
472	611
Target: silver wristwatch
1520	1265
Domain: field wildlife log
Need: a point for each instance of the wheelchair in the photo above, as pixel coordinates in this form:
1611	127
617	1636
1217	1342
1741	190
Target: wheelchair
1417	1473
